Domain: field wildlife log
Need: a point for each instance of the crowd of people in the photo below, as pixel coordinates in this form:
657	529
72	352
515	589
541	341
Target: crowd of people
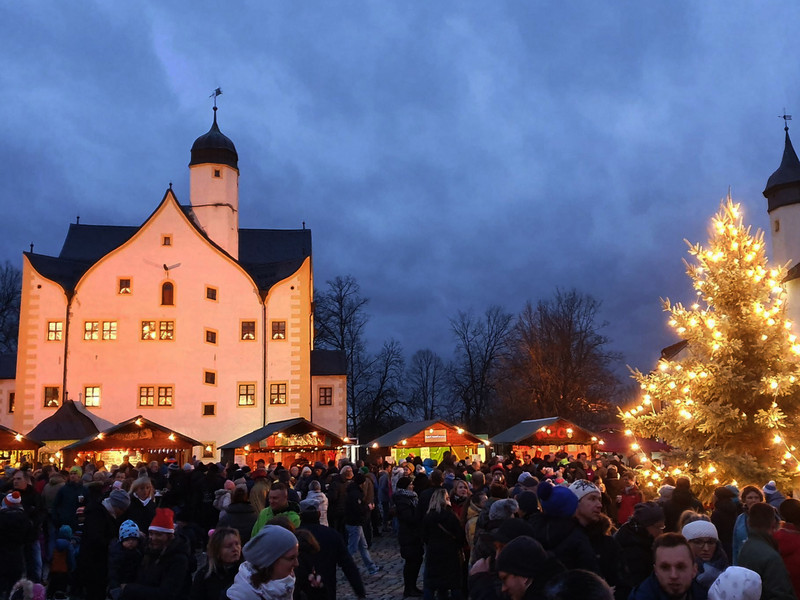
553	527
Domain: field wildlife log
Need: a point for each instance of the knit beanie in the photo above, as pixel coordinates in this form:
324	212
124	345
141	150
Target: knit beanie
528	502
128	530
503	509
229	485
736	583
163	521
522	556
770	488
790	511
582	487
648	513
12	500
557	500
269	545
65	532
699	529
665	491
119	499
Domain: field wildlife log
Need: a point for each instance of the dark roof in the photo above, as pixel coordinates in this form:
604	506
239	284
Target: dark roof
792	274
288	427
268	255
9	441
8	365
672	351
787	176
214	147
525	431
396	436
67	423
328	362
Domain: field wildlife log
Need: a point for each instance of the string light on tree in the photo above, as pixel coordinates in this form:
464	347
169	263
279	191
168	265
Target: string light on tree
729	404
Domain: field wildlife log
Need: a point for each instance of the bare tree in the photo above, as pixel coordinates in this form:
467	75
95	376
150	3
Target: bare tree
480	345
10	293
559	363
381	403
340	319
426	377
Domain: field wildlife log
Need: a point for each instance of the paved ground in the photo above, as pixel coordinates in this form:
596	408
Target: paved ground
386	585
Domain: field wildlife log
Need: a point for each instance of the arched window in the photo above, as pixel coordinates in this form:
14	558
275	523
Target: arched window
167	294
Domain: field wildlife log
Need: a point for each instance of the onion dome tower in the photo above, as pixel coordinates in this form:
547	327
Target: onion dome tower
214	187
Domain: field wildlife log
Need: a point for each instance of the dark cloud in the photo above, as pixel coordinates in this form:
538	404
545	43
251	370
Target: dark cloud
449	155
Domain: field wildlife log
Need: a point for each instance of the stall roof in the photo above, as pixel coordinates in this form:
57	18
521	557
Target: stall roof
72	421
289	427
408	430
9	441
616	441
133	433
529	433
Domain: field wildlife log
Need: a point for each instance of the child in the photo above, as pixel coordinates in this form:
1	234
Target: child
124	558
63	562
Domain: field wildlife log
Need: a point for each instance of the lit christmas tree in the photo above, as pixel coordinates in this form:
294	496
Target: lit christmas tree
729	405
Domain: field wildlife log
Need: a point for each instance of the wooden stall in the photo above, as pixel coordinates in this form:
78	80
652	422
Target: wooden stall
428	439
16	448
538	437
138	437
288	442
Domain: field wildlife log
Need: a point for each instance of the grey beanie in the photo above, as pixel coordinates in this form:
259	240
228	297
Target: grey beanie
119	499
503	509
269	545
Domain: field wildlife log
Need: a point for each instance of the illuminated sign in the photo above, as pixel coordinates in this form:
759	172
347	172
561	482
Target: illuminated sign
435	436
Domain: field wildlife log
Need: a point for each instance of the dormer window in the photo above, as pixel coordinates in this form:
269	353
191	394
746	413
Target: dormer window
124	285
166	240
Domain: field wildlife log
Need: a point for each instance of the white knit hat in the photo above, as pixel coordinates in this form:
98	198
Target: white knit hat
736	583
700	529
582	487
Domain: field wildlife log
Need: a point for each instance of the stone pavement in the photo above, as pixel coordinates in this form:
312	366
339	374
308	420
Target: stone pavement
385	585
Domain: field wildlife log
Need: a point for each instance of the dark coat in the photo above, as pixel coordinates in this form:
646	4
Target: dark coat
760	554
333	552
724	518
409	530
15	528
636	551
681	500
123	564
241	516
337	497
141	514
165	575
356	508
66	504
649	589
444	542
566	540
214	586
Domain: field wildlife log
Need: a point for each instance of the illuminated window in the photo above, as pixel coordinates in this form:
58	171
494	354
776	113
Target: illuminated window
55	331
167	294
51	396
277	393
211	293
166	330
109	330
209	450
165	395
125	286
91	395
247	394
248	330
148	330
166	240
146	395
210	377
91	330
209	410
325	396
11	398
279	330
211	336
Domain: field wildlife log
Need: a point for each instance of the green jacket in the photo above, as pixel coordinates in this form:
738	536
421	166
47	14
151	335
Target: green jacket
291	512
760	554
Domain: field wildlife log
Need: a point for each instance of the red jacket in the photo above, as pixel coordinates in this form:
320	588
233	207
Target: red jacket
630	498
788	538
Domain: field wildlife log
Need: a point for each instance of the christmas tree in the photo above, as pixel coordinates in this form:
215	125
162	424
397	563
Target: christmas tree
728	405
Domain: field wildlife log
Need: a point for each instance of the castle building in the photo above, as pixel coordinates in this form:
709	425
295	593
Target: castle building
188	319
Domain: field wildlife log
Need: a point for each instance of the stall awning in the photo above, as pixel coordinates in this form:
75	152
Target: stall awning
11	440
290	434
426	433
137	433
71	421
551	431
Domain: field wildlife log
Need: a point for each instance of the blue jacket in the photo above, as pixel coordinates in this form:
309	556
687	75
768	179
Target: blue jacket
649	589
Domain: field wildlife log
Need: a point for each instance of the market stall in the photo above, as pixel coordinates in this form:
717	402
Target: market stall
538	437
70	423
287	442
428	439
16	448
137	438
616	441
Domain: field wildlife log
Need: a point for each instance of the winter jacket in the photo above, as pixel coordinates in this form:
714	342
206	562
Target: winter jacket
322	502
356	508
164	575
291	511
630	497
740	533
682	499
337	496
50	491
649	589
215	585
333	553
444	542
15	528
66	504
636	545
566	540
123	565
242	588
760	554
707	572
724	519
141	513
242	517
788	539
409	527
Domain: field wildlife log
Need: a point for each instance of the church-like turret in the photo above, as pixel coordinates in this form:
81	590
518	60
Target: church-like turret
783	204
214	187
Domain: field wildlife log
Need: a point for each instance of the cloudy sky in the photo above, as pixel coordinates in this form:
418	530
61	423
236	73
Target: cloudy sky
449	155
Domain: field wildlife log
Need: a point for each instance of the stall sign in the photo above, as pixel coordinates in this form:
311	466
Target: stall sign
433	436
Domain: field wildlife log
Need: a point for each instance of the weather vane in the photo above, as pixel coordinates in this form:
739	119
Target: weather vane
786	118
218	92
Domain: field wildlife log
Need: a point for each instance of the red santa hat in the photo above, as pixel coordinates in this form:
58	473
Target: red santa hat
163	521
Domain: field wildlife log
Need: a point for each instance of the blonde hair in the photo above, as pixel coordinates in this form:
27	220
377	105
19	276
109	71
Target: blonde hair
142	481
438	501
